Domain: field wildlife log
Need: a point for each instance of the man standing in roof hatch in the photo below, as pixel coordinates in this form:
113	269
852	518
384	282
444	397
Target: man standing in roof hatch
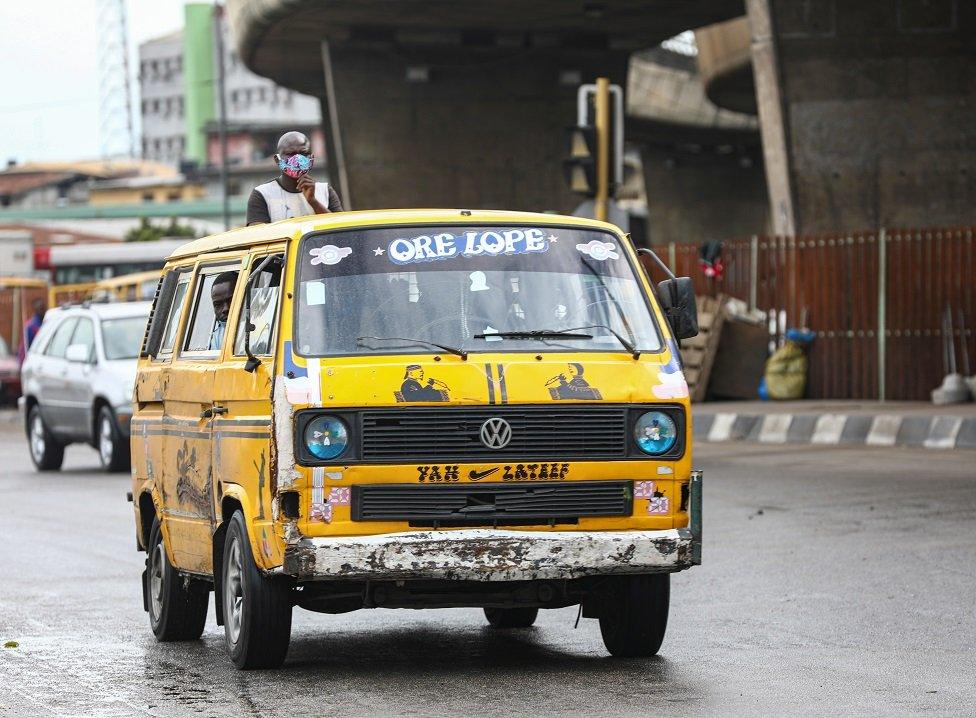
293	193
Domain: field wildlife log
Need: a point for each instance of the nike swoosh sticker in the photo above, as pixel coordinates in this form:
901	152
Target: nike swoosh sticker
479	475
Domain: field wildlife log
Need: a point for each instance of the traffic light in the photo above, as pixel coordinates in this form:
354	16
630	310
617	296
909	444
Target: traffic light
580	167
594	166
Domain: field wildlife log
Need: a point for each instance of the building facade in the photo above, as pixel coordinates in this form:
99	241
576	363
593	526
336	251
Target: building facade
179	104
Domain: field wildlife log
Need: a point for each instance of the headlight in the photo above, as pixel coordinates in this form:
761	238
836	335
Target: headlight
326	437
655	433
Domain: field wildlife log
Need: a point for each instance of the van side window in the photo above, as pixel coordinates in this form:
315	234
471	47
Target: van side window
264	294
175	311
211	308
61	339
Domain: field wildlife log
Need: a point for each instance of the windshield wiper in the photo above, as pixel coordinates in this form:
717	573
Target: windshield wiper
453	350
570	333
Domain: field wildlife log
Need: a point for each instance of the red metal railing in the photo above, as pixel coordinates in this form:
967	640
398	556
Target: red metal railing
846	287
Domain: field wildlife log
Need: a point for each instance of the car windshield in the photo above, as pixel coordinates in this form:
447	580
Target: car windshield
496	288
122	338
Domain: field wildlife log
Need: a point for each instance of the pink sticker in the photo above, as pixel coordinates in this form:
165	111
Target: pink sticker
321	512
658	505
340	496
643	489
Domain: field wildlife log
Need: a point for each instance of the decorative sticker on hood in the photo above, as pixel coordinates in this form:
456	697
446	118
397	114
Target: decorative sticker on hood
671	380
416	388
570	385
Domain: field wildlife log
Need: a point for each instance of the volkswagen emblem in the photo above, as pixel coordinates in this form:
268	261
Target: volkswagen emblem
496	433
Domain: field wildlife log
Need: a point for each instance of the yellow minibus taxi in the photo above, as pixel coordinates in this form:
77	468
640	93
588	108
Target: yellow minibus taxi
413	409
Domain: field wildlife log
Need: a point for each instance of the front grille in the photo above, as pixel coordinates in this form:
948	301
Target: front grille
538	432
491	504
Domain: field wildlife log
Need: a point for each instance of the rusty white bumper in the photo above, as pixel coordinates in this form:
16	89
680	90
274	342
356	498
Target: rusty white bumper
490	555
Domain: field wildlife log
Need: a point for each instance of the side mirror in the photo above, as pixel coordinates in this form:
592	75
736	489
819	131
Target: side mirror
78	353
677	297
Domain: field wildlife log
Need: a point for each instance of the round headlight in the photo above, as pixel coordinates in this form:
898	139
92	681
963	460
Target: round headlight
326	437
655	433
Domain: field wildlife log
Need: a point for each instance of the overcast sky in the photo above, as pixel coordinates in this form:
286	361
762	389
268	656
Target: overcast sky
49	104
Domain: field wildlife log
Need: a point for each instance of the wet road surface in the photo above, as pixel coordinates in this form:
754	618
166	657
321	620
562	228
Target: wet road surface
836	581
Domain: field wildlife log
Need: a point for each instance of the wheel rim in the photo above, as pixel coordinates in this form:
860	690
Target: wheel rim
37	439
234	591
106	442
156	580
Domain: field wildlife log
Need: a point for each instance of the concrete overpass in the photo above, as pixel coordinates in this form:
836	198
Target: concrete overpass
866	108
453	102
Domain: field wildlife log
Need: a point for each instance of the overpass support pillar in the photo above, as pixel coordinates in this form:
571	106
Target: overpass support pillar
455	127
866	112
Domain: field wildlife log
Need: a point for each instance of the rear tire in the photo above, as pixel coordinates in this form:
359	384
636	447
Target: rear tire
177	606
113	450
46	452
634	619
511	617
257	609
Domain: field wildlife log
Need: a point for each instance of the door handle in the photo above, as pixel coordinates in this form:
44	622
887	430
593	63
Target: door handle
213	411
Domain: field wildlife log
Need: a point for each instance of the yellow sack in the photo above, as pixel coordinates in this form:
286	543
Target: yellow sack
786	372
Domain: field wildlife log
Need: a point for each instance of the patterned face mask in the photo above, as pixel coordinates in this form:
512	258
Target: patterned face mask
296	165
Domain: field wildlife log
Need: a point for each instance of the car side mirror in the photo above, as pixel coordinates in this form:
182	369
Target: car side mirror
78	353
677	297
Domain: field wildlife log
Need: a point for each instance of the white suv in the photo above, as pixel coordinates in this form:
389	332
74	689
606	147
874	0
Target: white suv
77	382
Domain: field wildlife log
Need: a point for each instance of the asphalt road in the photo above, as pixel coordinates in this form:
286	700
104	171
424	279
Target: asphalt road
836	581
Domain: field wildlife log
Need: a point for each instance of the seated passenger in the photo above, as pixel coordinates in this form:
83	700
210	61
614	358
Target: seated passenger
221	293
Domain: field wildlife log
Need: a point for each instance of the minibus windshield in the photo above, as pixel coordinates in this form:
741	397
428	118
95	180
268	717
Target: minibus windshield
413	290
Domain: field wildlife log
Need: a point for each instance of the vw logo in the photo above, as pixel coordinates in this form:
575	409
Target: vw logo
496	433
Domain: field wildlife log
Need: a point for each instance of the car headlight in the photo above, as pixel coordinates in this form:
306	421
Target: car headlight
655	433
326	437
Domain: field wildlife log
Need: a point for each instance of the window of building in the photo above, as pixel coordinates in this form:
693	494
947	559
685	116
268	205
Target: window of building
147	197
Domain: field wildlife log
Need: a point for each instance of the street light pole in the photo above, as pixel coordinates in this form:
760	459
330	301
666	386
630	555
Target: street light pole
602	126
222	111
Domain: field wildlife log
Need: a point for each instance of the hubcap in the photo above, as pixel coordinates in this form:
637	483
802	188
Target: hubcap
234	592
37	438
106	443
156	580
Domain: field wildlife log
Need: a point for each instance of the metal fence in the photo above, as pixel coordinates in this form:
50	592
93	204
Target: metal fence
876	300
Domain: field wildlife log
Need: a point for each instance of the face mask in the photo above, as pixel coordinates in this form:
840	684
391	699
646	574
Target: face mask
296	165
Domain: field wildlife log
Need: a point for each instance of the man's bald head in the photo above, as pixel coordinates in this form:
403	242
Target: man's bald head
294	143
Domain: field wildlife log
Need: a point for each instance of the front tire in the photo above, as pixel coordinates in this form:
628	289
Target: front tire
257	609
177	606
46	452
634	619
511	617
113	450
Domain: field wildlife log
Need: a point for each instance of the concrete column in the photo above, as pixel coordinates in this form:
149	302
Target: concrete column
456	126
866	111
772	121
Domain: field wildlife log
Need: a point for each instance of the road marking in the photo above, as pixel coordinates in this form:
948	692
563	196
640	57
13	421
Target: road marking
828	429
884	430
943	433
774	428
721	427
